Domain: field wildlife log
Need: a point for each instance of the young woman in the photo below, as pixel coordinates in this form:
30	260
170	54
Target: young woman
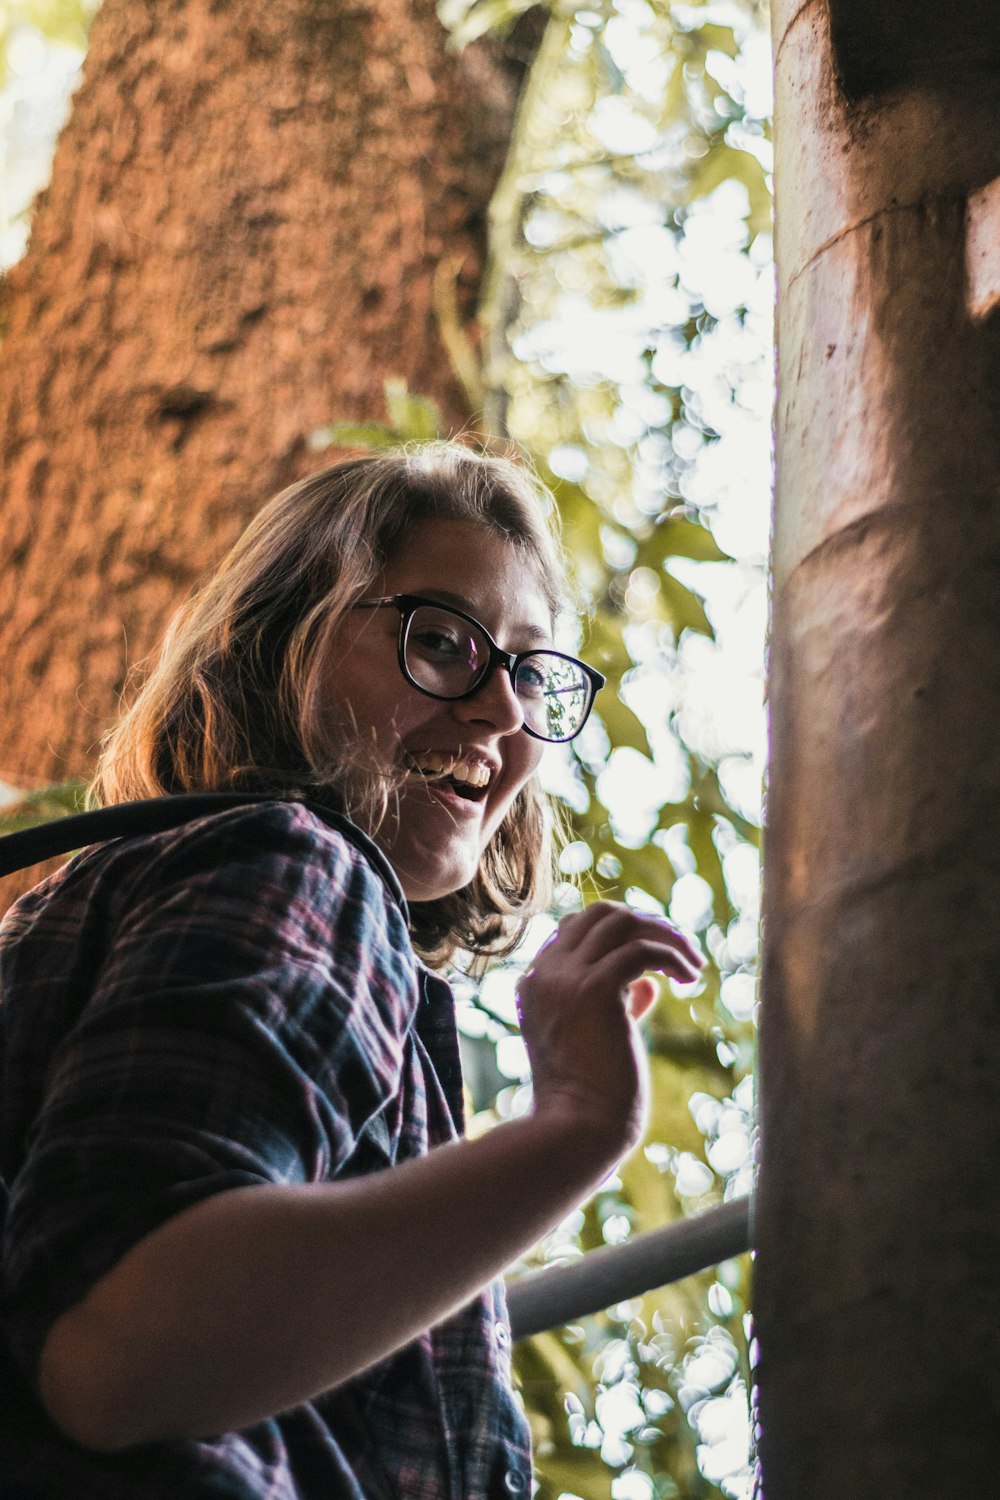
246	1247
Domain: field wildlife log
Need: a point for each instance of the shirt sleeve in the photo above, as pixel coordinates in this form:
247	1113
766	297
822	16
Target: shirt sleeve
248	1017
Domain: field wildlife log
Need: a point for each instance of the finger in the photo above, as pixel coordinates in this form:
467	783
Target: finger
573	930
643	994
618	968
577	923
621	925
603	923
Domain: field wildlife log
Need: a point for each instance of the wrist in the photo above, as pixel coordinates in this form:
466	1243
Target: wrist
582	1130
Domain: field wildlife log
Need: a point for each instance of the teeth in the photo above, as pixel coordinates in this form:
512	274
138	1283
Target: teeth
434	764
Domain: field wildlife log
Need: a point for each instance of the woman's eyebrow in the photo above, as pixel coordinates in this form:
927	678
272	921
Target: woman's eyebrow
534	633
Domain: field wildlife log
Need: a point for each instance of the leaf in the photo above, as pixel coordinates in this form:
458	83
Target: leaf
581	521
625	728
673	105
606	649
648	1191
708	795
30	809
649	869
70	796
685	1039
680	1306
700	828
612	72
674	812
414	418
724	163
371	436
677	537
579	1472
670	1121
546	1371
62	21
467	20
715	38
684	609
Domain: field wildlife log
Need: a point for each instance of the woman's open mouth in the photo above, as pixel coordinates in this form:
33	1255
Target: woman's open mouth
468	779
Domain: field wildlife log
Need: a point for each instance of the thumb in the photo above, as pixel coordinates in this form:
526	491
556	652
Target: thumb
642	994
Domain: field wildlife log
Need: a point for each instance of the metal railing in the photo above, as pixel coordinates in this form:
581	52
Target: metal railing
548	1298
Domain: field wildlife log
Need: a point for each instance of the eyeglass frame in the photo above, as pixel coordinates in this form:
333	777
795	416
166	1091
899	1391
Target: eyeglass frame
408	604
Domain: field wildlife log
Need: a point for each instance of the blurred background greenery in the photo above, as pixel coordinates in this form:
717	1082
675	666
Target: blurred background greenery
626	321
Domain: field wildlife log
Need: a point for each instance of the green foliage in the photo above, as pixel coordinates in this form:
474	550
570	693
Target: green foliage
675	536
561	215
64	22
27	809
412	419
467	20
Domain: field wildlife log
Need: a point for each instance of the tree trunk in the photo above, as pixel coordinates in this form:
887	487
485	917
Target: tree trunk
239	244
877	1221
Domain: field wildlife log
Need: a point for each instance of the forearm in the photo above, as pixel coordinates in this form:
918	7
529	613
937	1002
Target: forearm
260	1298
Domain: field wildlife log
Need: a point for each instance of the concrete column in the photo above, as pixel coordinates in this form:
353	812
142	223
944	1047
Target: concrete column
878	1212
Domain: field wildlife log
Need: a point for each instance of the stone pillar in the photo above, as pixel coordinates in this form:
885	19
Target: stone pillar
878	1210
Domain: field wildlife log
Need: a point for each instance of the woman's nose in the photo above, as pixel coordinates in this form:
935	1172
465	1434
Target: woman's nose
494	702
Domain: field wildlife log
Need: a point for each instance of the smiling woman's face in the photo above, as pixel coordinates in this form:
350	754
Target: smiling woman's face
436	839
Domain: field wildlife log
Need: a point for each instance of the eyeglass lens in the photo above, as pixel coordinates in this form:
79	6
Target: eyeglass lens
446	656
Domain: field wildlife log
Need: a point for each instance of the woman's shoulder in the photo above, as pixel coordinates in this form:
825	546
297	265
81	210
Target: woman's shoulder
281	840
279	849
262	829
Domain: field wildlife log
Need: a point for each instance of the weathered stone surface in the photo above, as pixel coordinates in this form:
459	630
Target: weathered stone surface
880	1036
879	48
982	250
895	44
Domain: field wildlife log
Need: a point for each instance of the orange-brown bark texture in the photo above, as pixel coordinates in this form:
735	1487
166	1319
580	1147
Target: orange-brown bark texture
238	246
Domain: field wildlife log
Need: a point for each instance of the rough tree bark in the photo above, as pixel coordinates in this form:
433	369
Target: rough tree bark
239	243
877	1222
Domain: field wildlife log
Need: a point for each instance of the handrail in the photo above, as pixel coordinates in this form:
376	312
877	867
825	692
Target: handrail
549	1298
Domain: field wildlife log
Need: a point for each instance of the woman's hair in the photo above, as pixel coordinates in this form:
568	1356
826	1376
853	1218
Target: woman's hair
235	701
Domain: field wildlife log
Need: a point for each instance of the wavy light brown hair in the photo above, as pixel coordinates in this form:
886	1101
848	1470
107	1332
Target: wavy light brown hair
234	701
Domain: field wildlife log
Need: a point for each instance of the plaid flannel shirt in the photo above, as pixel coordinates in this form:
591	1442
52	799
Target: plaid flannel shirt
230	1003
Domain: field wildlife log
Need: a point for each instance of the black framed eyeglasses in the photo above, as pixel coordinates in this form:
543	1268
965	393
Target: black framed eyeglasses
449	655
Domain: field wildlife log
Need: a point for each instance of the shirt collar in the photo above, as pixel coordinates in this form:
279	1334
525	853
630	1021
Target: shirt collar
332	814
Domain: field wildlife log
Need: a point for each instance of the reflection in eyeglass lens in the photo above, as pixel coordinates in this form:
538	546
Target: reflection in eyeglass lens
554	693
444	653
446	656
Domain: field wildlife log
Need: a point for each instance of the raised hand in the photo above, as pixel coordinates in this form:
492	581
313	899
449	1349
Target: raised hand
579	1003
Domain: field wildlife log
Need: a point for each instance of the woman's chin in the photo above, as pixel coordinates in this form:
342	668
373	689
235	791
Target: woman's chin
427	876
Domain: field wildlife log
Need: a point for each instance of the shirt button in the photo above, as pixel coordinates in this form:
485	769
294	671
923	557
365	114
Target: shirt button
514	1483
502	1335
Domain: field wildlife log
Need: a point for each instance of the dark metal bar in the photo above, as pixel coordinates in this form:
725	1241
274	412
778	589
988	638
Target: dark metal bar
546	1299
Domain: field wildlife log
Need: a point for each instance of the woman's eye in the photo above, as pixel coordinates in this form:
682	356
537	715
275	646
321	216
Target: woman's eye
531	680
438	643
